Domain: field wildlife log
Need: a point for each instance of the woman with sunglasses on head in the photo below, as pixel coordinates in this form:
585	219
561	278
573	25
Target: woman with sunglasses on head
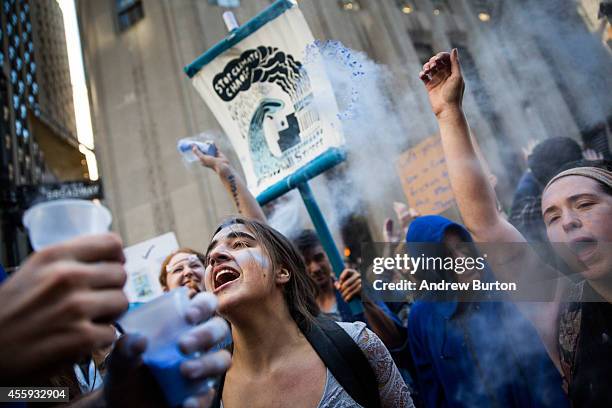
183	267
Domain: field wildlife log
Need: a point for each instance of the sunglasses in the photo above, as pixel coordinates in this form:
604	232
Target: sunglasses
192	260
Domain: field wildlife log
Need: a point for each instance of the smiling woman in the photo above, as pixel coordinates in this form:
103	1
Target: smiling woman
284	353
183	267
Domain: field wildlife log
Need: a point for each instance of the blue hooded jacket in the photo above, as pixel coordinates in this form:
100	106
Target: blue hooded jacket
479	354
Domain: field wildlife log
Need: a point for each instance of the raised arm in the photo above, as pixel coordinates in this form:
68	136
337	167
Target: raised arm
473	191
244	201
476	198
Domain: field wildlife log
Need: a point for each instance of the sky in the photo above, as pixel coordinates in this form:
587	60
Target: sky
79	86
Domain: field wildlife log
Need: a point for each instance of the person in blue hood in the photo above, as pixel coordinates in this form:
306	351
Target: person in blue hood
469	352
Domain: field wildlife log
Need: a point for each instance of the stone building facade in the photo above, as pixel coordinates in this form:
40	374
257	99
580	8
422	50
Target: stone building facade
142	103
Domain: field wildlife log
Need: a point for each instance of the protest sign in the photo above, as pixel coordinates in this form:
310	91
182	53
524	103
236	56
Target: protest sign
424	177
278	113
143	263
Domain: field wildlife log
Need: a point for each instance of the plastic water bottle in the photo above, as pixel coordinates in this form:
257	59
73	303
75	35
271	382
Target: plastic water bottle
184	147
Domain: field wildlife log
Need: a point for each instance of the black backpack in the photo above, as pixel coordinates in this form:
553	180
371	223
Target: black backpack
343	357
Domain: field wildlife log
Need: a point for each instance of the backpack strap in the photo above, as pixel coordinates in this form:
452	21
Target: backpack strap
343	357
346	361
216	402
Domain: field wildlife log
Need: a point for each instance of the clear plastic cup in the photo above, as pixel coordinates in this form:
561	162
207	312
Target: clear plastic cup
52	222
162	322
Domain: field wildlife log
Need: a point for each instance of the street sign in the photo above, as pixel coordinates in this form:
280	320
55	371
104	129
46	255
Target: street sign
29	195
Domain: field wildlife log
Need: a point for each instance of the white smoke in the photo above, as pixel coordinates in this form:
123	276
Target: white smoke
382	117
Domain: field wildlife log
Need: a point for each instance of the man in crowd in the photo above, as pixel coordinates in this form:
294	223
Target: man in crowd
546	158
334	295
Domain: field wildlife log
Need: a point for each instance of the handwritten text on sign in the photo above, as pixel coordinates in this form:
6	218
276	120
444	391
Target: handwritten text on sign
422	171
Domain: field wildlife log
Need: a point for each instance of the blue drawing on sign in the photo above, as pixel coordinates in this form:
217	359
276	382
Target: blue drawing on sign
263	160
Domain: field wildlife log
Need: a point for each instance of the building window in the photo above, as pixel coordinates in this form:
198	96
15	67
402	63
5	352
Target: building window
129	12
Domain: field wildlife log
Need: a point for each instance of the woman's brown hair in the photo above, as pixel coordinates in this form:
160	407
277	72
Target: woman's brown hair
300	291
163	273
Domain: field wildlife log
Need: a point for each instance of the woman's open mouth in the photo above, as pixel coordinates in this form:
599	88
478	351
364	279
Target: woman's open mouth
224	277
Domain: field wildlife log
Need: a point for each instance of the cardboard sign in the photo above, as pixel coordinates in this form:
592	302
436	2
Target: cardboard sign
422	171
143	264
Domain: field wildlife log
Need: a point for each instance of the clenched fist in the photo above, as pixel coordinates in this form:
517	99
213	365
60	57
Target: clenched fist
444	82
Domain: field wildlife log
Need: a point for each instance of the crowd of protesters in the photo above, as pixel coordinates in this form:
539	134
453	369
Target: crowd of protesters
291	338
